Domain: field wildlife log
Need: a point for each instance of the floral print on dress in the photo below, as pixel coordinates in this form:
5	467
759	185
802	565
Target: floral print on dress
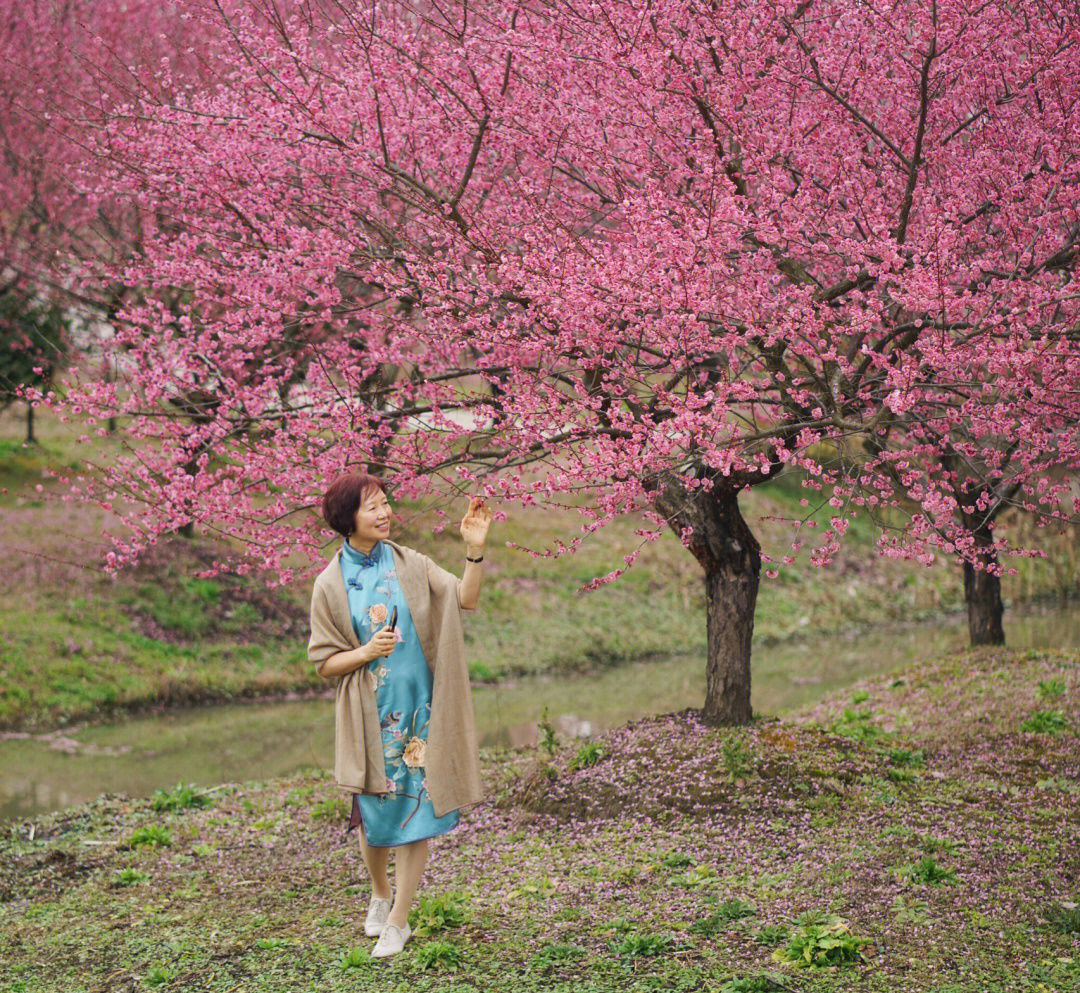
405	754
376	617
405	810
413	756
377	613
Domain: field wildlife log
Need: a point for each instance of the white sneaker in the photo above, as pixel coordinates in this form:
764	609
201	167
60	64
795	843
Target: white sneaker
391	941
377	914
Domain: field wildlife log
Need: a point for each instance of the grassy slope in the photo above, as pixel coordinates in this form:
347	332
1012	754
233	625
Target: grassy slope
78	644
619	875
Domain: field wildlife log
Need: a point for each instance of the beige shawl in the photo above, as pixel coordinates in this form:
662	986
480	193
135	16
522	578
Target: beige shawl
451	755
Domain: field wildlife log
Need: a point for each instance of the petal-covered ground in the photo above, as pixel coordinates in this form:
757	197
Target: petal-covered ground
924	827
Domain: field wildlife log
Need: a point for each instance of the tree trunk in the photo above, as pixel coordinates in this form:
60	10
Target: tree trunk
731	597
982	590
30	439
187	529
731	557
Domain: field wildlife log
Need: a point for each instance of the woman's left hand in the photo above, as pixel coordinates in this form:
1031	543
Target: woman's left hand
475	523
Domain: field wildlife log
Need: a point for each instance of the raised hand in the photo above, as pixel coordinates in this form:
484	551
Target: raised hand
474	525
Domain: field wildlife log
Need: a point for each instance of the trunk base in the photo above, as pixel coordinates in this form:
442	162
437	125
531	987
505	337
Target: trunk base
982	590
731	557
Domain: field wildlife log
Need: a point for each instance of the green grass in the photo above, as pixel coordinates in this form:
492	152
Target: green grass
944	886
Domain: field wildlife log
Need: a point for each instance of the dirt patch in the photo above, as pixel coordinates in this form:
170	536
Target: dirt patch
48	873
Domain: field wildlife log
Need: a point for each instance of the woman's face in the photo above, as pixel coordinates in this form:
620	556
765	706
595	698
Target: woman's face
372	520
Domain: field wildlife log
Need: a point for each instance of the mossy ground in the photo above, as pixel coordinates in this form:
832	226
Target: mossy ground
664	855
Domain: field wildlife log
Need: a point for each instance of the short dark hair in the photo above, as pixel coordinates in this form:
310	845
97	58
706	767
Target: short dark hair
343	496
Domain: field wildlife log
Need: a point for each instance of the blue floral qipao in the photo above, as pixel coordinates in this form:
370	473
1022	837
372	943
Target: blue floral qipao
402	683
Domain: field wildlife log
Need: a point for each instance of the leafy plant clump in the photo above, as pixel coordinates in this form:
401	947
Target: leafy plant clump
857	724
159	975
676	860
150	836
696	878
1045	722
548	742
926	870
762	983
331	809
911	911
727	913
437	913
556	954
129	876
772	934
821	941
356	958
641	945
906	757
540	889
735	759
181	797
734	910
440	955
1051	687
588	754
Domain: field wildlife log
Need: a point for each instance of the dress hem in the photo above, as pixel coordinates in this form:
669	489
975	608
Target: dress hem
359	820
399	844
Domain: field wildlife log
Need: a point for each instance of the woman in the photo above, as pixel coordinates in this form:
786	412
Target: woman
405	738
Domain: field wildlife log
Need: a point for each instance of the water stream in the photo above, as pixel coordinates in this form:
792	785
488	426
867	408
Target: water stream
218	743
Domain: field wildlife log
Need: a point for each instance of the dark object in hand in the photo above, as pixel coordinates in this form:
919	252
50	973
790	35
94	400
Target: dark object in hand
393	619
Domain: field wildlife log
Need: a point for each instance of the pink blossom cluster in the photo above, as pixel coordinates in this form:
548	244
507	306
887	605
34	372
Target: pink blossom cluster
539	251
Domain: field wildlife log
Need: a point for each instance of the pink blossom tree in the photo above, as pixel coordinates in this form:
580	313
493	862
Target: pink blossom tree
62	67
648	253
984	480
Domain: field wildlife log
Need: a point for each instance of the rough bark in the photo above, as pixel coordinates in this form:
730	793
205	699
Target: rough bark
731	557
982	591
